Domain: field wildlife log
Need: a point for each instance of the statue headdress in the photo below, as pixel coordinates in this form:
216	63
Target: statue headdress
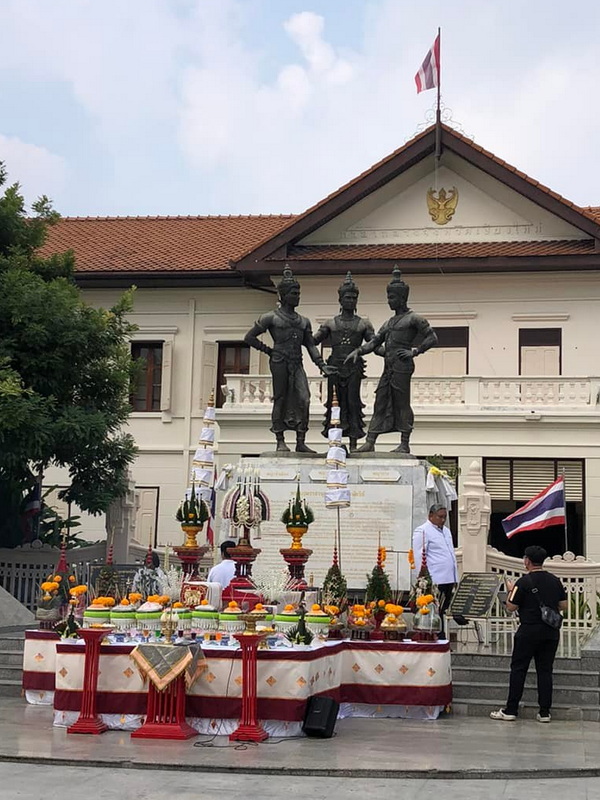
348	285
287	282
397	283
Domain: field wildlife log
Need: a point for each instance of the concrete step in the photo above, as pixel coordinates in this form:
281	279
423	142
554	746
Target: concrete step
503	662
477	674
10	688
11	673
563	694
11	658
560	711
13	641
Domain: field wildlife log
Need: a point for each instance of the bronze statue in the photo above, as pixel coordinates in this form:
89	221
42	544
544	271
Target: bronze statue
405	336
290	332
346	332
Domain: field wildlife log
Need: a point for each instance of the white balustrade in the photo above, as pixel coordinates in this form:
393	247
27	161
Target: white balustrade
469	391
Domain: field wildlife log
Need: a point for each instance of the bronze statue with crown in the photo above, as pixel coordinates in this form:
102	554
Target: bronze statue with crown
405	336
290	333
345	332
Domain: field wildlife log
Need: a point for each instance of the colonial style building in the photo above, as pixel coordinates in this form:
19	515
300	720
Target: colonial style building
505	269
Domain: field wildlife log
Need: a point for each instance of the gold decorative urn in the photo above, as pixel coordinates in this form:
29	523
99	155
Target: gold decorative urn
191	532
296	532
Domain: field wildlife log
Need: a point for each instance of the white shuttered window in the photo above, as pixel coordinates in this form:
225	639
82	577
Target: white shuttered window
522	479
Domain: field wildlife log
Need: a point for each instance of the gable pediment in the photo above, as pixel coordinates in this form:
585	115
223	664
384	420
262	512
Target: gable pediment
486	211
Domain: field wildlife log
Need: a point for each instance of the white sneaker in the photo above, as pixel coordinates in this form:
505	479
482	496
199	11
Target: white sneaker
545	718
501	714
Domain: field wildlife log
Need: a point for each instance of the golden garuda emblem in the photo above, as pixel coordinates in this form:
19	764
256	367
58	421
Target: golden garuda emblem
442	207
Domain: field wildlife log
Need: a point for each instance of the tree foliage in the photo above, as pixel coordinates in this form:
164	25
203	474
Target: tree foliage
65	372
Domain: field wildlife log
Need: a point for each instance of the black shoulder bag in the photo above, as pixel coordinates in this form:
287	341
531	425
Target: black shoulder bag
549	615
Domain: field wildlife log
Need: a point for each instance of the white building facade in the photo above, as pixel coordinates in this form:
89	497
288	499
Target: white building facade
506	271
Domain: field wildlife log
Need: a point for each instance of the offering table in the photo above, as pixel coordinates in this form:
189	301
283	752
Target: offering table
387	679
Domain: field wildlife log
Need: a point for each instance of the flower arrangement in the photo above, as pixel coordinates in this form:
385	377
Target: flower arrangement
378	583
54	591
170	583
103	602
423	602
299	634
335	587
360	616
246	505
298	514
271	584
162	599
193	511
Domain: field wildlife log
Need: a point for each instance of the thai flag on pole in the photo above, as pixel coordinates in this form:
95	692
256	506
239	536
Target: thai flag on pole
428	76
545	509
33	503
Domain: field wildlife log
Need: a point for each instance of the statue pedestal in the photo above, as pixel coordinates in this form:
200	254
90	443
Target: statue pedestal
242	588
190	558
388	498
296	558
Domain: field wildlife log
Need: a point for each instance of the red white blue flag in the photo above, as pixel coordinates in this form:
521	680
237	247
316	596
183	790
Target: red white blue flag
33	502
545	509
428	76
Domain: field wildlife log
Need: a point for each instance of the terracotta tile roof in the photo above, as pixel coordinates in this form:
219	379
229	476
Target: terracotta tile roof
150	244
594	211
432	250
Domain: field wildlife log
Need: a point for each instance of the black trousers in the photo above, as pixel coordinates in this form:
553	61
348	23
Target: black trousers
446	591
537	641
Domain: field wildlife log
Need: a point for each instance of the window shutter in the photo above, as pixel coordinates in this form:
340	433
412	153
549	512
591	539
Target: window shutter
573	472
208	372
166	376
497	478
531	477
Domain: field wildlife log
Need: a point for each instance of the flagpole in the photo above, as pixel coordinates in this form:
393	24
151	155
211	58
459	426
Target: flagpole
438	114
565	496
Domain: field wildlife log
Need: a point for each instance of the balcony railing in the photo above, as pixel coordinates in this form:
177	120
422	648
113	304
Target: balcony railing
471	392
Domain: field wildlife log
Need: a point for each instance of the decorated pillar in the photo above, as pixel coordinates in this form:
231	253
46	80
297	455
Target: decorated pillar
474	509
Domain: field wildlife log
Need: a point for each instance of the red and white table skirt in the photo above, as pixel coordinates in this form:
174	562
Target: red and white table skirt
388	679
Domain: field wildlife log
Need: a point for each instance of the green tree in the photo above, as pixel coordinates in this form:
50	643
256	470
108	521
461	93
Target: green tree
65	373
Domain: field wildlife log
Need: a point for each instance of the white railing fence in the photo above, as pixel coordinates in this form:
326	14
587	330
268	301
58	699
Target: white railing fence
23	569
244	391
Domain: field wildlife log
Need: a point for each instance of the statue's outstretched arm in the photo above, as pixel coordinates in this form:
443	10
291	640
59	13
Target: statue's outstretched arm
368	334
313	351
322	334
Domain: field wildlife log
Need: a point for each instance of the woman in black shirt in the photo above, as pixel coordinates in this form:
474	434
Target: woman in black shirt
534	638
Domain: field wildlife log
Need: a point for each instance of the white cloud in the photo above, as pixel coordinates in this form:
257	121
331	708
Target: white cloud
246	122
36	169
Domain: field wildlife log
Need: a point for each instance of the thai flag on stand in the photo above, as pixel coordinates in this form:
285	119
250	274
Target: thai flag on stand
545	509
428	76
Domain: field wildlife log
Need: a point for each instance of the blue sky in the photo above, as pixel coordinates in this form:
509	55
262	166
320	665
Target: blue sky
249	106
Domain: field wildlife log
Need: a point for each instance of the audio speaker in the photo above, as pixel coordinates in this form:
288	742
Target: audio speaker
320	717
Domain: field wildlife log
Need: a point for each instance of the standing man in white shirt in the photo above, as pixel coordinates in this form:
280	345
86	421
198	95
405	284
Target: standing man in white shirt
223	572
436	538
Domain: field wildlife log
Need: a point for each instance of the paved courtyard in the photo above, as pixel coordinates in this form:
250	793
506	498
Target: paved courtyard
452	748
30	782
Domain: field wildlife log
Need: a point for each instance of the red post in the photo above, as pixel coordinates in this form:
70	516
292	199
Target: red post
165	717
89	721
249	729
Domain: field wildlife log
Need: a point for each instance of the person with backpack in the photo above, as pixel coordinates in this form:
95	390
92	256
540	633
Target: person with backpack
538	597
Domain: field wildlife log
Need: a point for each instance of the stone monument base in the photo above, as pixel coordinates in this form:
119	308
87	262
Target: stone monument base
388	503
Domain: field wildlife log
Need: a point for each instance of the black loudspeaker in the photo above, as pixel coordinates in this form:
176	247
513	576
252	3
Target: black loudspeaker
320	717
